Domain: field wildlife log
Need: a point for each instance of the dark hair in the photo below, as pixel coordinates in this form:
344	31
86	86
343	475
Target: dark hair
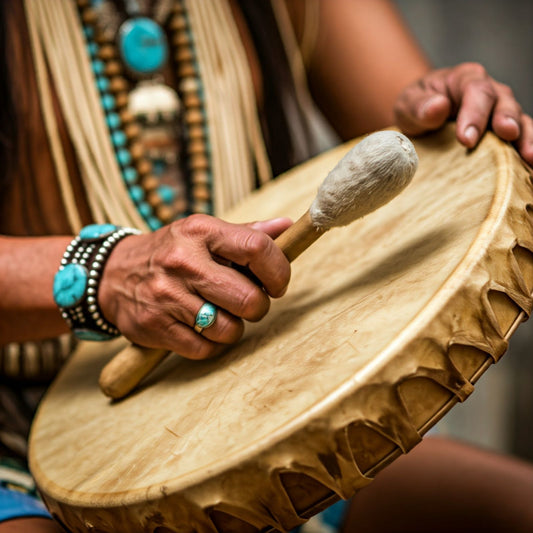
8	124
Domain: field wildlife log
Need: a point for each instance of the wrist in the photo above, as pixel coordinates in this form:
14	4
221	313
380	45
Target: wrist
77	282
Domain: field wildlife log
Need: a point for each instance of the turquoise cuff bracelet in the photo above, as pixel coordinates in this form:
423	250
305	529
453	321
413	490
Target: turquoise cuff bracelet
77	280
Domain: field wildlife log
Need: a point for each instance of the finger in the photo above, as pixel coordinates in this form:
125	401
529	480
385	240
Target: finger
524	144
177	337
226	329
507	114
424	106
233	291
257	251
474	91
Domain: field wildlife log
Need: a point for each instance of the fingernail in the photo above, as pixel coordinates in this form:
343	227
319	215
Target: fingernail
511	122
471	135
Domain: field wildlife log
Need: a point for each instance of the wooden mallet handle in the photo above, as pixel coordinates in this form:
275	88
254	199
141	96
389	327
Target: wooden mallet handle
370	175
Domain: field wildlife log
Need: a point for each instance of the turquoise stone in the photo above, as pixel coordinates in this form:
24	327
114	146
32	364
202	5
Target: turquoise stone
108	101
102	83
136	193
93	49
124	157
96	231
154	223
166	193
119	138
70	285
143	45
89	32
159	166
144	209
206	316
130	175
90	335
98	67
113	120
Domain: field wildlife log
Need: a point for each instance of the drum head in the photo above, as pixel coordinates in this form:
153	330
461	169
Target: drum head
387	323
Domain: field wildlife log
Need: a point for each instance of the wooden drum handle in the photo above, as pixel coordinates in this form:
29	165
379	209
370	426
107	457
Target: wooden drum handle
126	370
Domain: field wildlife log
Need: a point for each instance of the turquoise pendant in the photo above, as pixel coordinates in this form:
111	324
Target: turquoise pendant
143	46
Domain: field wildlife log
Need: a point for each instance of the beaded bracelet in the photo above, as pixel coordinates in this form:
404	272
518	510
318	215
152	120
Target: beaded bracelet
77	280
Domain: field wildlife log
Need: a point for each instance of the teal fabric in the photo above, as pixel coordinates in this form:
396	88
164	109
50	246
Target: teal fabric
16	504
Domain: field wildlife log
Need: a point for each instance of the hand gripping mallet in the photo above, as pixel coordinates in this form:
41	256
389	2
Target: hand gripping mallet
371	174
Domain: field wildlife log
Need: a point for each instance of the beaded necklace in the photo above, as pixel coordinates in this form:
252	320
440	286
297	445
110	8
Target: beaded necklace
170	119
223	154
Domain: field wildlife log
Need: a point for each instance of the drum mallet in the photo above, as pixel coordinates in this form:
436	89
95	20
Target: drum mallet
371	174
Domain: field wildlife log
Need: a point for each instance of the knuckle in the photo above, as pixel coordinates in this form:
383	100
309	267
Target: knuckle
473	68
194	225
255	243
179	259
253	304
231	331
160	289
506	90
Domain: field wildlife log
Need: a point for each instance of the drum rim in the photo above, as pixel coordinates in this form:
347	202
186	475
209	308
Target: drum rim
477	249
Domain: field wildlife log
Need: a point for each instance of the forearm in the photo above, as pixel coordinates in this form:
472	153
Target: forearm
364	57
27	269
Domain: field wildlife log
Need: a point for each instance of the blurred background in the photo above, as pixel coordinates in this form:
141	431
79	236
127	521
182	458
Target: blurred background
498	34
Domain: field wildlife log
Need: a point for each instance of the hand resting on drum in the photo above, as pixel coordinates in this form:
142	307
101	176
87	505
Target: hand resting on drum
474	99
166	282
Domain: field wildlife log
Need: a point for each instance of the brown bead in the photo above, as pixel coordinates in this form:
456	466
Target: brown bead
200	177
82	4
153	199
196	146
192	100
103	38
178	7
107	52
136	150
118	84
183	53
149	183
186	70
89	16
122	99
165	213
177	22
181	38
113	68
202	192
126	116
198	162
196	131
194	116
132	130
143	166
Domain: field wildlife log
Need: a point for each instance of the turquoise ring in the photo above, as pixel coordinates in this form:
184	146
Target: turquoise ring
205	317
